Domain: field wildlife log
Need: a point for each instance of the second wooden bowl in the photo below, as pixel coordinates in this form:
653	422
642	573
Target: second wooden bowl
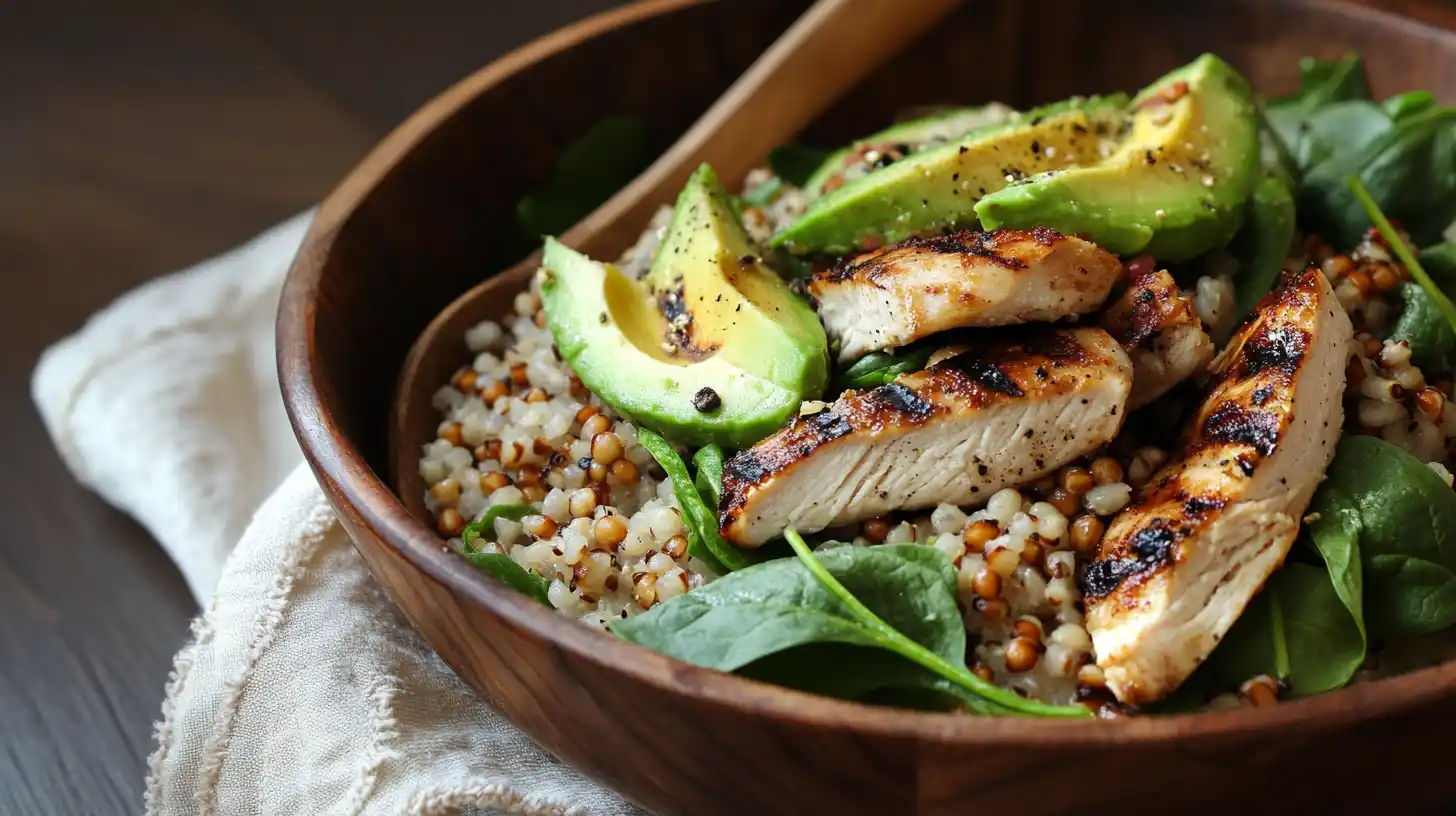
411	228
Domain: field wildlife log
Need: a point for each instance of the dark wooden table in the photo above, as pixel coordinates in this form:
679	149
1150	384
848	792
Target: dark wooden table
137	138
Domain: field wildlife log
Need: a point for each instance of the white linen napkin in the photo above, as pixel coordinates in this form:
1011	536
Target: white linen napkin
303	690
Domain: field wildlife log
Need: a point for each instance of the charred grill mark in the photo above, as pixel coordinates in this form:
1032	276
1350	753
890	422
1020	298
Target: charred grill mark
989	246
1273	347
1231	423
902	399
1151	305
983	373
1199	507
800	438
1261	394
1149	549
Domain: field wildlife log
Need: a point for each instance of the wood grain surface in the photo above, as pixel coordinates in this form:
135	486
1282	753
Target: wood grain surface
681	739
137	138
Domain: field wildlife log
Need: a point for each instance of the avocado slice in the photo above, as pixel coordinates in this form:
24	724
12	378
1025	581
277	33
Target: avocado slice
895	142
711	347
936	189
1176	186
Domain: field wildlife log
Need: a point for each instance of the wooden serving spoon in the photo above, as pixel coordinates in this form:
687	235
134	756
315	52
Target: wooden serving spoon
825	53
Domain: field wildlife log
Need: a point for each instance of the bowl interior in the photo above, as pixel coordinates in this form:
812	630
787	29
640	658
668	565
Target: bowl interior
412	229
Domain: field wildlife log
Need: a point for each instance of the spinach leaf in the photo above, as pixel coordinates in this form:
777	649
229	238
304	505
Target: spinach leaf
996	699
1409	171
777	605
1403	517
485	528
1297	629
704	541
881	367
1333	80
795	163
709	464
512	574
500	565
1340	128
763	194
1439	263
590	170
1263	242
1407	104
1321	83
1423	325
860	673
1397	245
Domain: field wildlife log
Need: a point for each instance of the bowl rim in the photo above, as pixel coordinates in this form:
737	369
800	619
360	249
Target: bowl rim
347	478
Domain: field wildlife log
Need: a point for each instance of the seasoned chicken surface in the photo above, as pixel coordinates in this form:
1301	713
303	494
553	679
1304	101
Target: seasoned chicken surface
899	294
1179	565
1009	408
1161	332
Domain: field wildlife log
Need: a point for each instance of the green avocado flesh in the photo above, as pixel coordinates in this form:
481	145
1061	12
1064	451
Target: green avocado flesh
904	138
937	188
1175	187
710	315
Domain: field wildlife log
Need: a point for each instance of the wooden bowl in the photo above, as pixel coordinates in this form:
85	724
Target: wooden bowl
411	228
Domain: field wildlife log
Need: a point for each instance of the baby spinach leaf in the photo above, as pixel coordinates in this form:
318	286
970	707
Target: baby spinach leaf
709	464
1340	128
1409	171
1321	83
763	194
1263	242
1408	104
1402	251
514	575
485	528
1333	80
996	699
881	367
1403	518
501	565
1417	596
704	541
795	163
1297	629
1422	323
769	607
1425	328
590	170
860	673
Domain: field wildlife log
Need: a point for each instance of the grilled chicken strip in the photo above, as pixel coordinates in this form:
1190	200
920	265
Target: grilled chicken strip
1178	566
1007	409
899	294
1160	330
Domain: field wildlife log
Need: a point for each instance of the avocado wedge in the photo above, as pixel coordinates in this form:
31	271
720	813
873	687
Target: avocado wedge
896	142
1176	186
937	188
711	347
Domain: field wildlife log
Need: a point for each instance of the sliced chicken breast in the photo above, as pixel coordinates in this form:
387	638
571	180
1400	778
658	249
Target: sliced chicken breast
1005	410
899	294
1161	332
1179	565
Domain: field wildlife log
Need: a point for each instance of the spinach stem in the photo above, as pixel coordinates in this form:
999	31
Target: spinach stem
1402	250
1000	700
1281	644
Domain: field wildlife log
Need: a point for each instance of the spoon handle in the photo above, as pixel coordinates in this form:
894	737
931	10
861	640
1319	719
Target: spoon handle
827	51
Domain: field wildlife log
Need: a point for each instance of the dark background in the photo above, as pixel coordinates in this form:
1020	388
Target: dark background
136	138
